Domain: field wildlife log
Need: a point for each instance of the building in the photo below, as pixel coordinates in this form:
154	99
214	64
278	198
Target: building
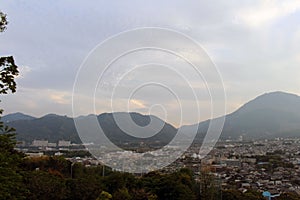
64	143
40	143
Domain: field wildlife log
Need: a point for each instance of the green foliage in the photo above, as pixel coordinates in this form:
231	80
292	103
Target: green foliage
253	195
43	185
11	181
289	196
272	161
84	188
237	195
54	164
231	195
209	186
141	194
117	180
50	127
3	21
89	183
179	185
8	68
122	194
104	196
8	71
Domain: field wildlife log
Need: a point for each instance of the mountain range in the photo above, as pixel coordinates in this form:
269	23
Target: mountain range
275	114
271	115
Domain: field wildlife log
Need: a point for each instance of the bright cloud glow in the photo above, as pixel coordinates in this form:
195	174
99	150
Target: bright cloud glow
267	11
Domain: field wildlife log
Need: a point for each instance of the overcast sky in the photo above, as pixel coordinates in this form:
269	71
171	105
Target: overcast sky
254	44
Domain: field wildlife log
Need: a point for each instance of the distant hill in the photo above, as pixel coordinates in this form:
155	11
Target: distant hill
15	117
275	114
51	127
54	127
115	134
270	115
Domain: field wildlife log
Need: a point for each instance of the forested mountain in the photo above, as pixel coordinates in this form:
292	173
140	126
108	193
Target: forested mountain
270	115
15	117
54	127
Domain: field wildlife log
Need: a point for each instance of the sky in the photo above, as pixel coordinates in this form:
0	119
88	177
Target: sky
253	44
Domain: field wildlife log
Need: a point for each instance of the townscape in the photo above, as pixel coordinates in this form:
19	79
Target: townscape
262	165
150	100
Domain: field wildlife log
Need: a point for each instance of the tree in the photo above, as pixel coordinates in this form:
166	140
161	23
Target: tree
8	72
11	180
231	195
122	194
210	186
44	185
236	195
289	196
3	21
176	186
84	188
104	196
11	184
8	68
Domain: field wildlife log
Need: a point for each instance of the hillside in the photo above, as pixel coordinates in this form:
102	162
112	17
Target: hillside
270	115
54	127
50	127
15	117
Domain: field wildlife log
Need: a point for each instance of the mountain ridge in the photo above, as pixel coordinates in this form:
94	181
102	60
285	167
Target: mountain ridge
16	116
273	114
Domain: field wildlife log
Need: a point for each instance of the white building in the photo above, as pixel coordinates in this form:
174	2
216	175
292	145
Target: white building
63	143
51	144
40	143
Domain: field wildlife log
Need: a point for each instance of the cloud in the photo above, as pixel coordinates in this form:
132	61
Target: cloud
253	43
60	97
37	102
266	11
138	103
